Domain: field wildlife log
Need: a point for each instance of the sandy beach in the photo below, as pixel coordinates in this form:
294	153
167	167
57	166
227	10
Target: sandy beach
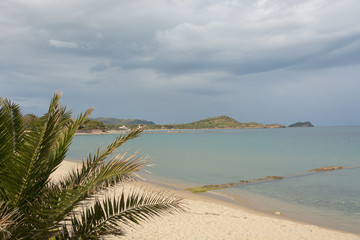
208	218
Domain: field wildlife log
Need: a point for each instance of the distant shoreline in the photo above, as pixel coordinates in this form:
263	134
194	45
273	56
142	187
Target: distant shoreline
167	130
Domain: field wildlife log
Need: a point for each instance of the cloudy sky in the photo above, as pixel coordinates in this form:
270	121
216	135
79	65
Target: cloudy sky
172	61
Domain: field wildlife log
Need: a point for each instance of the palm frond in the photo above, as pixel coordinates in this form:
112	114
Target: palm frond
35	158
106	217
27	167
81	185
39	208
11	126
12	134
100	177
64	141
8	220
93	162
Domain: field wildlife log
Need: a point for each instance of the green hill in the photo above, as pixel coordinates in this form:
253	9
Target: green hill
215	122
208	123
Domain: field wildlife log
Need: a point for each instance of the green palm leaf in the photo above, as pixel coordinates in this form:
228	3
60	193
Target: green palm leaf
106	217
44	208
59	203
12	133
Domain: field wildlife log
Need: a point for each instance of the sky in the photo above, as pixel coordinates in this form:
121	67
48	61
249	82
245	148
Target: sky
172	61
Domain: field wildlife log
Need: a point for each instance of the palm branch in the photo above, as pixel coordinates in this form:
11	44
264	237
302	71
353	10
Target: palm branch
28	157
8	220
107	216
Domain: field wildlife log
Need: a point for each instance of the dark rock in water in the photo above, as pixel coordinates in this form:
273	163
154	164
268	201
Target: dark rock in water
226	185
302	124
274	177
259	180
211	186
325	169
243	181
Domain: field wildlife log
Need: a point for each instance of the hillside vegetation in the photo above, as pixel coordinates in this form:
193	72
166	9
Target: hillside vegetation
91	125
105	123
215	122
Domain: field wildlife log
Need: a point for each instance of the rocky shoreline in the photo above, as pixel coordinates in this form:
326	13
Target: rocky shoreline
210	187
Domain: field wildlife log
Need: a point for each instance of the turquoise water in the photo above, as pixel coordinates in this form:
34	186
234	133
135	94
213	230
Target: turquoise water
224	156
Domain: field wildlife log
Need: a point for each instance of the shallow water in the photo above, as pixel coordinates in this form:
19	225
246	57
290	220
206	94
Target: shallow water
224	156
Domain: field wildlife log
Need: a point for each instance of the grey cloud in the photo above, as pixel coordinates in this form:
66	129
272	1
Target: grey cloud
343	52
206	91
62	44
179	51
233	43
98	67
176	50
297	56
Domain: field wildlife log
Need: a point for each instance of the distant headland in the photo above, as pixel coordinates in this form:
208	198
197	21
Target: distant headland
219	122
103	125
302	124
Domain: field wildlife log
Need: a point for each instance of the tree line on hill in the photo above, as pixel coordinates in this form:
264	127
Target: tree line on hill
209	123
215	122
89	124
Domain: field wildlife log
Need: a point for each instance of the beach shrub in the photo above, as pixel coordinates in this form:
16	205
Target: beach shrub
34	207
92	124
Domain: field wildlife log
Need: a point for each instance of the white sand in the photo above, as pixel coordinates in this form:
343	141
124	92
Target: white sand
212	219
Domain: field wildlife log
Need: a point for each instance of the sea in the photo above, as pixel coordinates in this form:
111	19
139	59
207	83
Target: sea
201	157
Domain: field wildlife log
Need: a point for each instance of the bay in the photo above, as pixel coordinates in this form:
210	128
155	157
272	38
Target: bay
199	157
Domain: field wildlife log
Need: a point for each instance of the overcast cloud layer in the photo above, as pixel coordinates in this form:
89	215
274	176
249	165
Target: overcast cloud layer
180	61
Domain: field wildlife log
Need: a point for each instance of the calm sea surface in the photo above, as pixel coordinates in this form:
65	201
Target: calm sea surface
199	157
